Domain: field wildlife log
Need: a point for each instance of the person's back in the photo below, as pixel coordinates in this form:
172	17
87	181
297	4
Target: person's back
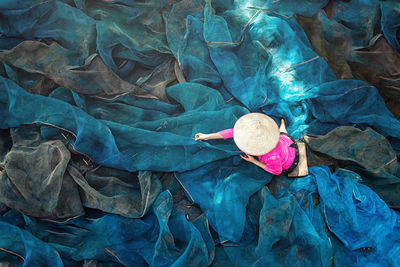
281	157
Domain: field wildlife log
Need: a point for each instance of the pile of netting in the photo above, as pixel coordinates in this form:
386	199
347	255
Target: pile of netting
100	101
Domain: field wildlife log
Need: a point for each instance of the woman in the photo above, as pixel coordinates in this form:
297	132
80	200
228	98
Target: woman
279	151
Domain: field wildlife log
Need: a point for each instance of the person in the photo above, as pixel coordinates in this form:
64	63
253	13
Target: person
280	156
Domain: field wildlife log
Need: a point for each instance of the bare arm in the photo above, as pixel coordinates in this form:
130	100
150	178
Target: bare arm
201	136
253	160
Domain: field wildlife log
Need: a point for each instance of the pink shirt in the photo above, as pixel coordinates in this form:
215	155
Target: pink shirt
278	159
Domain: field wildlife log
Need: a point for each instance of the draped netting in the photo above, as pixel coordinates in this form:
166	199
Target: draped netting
100	101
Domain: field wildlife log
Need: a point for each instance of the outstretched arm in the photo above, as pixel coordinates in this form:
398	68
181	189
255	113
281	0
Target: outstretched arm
228	133
201	136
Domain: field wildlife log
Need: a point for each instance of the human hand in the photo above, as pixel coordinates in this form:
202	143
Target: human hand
248	158
201	136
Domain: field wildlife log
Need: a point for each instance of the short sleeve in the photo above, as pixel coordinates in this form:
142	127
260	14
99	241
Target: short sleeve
228	133
273	165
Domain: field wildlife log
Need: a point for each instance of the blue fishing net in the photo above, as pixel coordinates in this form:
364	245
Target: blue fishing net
100	102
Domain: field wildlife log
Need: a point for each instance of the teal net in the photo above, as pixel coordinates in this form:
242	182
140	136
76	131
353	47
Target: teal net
100	102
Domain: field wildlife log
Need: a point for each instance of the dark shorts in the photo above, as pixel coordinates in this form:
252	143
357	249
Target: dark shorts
296	158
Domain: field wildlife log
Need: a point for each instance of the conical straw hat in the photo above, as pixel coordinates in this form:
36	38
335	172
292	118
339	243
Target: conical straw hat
256	134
